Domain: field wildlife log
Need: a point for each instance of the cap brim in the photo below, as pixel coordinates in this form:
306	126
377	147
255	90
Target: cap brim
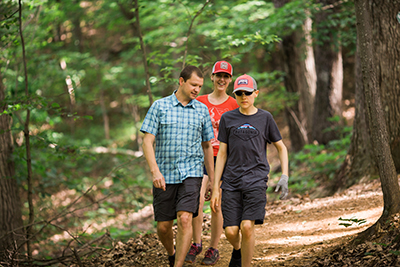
244	89
221	71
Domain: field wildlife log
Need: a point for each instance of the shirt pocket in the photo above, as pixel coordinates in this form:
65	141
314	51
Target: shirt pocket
168	127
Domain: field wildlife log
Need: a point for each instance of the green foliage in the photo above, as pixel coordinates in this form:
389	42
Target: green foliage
352	221
316	164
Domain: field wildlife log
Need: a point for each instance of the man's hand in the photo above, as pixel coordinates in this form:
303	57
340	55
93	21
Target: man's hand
159	181
283	182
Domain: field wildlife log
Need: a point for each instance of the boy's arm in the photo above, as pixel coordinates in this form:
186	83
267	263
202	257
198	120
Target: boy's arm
284	159
148	151
219	169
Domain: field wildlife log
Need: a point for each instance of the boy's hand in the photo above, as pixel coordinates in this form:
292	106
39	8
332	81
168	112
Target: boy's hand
215	200
283	182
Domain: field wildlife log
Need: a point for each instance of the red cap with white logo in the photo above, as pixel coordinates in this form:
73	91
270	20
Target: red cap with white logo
222	66
245	83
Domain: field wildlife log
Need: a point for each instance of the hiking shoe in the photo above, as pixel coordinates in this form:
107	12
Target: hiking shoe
171	260
193	252
210	257
235	262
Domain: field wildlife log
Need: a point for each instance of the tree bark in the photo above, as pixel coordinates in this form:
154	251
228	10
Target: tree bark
386	31
10	206
328	62
375	113
360	160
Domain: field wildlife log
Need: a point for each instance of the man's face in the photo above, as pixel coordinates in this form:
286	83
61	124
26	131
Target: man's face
191	88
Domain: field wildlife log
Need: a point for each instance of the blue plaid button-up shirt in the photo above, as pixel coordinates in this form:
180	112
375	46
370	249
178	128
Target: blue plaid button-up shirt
179	131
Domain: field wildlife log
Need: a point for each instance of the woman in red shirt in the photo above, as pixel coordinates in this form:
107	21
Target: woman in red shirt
218	102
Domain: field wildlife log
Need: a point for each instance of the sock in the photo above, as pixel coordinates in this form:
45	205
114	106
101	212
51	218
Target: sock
236	254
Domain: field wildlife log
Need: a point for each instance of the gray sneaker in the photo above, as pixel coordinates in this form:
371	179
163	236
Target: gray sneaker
210	257
193	252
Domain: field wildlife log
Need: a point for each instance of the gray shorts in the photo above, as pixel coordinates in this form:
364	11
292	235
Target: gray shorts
238	206
177	197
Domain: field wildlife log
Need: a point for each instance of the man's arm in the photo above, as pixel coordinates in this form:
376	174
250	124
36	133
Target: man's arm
219	169
148	151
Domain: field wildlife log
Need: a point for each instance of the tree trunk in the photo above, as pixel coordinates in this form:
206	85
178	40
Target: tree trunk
328	62
359	160
297	62
10	206
371	73
386	30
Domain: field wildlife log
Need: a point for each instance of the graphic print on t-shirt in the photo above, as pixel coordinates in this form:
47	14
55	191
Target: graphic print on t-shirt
215	115
246	131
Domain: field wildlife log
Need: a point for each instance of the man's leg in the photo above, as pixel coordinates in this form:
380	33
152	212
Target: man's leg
183	237
248	242
166	236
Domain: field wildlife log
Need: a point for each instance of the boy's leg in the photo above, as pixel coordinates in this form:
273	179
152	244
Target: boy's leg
233	236
248	242
183	236
166	236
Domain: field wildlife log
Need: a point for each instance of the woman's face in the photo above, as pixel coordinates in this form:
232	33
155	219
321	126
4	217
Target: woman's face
221	81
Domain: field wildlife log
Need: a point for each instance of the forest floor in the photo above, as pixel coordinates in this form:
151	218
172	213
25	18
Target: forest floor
298	231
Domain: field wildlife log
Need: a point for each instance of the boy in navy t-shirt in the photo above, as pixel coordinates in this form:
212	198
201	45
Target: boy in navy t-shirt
242	160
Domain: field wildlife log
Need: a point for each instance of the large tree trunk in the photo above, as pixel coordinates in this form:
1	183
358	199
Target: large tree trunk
359	161
10	206
371	75
386	30
328	62
298	64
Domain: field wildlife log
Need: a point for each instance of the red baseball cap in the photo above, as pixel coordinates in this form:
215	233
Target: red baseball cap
222	66
245	83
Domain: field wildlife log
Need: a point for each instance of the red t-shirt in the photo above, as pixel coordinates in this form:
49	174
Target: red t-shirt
216	112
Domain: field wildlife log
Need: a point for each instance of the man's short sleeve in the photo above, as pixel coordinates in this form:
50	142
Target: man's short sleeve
208	132
151	121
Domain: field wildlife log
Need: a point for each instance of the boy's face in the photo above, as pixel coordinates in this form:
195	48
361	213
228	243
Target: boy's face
221	81
246	101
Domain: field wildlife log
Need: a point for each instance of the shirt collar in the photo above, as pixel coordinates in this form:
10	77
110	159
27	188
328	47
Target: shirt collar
176	102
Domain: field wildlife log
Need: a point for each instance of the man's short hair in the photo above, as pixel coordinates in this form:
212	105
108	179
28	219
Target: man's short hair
187	72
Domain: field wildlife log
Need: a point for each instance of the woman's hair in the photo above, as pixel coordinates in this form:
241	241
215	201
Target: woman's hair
187	72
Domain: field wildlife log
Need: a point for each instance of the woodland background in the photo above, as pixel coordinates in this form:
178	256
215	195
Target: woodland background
77	78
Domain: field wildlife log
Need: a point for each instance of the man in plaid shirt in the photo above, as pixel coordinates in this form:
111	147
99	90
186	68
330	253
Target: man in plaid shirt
181	129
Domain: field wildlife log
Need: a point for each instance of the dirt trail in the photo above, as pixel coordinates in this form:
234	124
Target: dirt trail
295	231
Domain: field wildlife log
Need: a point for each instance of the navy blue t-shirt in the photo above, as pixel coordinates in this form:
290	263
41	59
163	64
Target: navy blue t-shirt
247	137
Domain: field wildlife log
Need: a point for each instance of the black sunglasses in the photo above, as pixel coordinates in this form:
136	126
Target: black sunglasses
240	93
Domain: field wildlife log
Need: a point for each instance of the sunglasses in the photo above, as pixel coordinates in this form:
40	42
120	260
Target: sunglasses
240	93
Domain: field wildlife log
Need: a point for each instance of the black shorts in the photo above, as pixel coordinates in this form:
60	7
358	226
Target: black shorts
205	171
238	206
178	197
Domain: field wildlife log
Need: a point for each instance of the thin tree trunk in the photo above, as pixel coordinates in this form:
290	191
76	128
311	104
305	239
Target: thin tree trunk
328	98
27	142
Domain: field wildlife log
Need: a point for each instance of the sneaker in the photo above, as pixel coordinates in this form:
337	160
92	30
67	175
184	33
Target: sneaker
171	260
210	257
193	252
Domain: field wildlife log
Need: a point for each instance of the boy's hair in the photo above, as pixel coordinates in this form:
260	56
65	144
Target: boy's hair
187	72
